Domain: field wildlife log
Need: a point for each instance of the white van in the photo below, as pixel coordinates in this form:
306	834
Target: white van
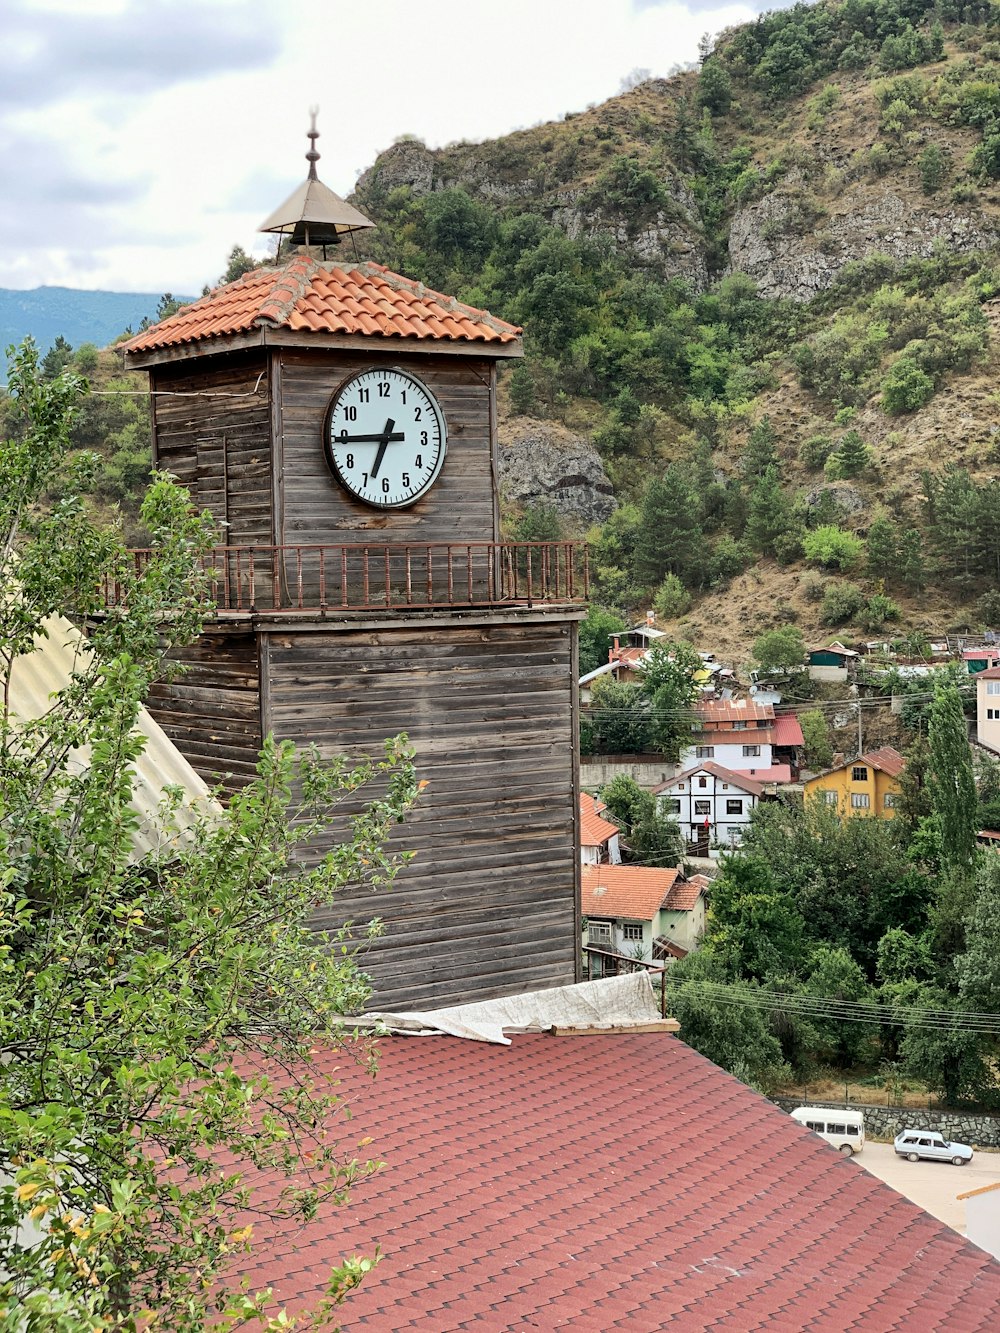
843	1130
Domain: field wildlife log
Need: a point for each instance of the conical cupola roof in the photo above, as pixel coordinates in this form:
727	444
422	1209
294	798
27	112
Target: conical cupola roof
313	215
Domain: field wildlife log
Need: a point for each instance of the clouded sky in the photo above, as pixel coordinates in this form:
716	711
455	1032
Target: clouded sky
142	139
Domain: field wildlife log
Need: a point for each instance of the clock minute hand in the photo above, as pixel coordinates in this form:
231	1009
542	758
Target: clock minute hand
368	439
383	440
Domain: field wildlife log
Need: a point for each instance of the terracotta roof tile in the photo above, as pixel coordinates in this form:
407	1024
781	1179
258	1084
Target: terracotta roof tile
630	893
886	759
684	895
307	296
594	831
521	1190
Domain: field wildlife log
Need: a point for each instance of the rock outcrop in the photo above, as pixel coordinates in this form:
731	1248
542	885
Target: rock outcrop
543	463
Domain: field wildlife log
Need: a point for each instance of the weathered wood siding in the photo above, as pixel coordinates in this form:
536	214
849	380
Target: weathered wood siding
461	506
489	904
212	711
215	437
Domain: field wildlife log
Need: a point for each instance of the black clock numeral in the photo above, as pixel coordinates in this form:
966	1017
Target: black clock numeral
365	481
416	413
418	461
404	397
423	437
343	434
351	413
385	485
384	389
349	460
363	395
406	479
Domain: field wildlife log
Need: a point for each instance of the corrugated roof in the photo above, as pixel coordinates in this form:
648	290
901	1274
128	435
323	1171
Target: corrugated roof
594	831
786	730
306	296
629	893
886	759
600	1182
716	712
37	676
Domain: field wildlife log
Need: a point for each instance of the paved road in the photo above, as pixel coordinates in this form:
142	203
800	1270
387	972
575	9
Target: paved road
932	1185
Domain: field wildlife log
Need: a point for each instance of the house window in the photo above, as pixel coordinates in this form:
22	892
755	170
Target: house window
703	782
599	932
830	797
859	800
734	807
993	714
632	932
859	775
702	807
673	806
704	751
993	687
739	726
751	751
889	800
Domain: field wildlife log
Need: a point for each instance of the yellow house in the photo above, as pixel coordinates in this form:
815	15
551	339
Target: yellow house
868	785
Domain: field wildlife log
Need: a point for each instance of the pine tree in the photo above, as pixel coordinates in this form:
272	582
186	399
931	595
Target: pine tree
761	452
769	514
850	457
882	548
670	539
910	567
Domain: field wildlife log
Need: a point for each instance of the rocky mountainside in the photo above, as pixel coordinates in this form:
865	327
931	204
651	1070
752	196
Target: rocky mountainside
721	276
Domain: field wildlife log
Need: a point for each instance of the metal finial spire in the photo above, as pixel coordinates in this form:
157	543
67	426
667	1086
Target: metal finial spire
312	157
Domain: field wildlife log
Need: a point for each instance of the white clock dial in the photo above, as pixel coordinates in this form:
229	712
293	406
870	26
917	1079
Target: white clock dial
385	438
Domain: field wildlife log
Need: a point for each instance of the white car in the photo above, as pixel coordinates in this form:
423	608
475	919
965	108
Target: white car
917	1144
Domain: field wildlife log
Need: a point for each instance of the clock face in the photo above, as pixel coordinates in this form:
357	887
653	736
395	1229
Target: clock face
385	438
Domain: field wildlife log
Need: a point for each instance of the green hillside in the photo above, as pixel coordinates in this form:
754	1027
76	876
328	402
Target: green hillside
766	292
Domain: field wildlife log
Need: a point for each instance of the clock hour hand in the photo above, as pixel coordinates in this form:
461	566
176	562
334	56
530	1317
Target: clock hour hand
383	440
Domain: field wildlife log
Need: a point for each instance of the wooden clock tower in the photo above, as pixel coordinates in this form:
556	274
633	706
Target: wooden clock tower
340	421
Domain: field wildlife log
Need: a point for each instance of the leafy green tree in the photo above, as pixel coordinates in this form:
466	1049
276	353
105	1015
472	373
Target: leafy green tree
619	713
910	565
978	969
816	739
755	928
672	599
715	87
950	779
832	547
905	387
596	632
626	801
761	451
142	1002
835	975
779	649
950	1059
841	603
668	680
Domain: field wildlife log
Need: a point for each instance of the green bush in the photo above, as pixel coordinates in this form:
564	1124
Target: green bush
813	587
729	558
814	452
841	603
672	598
932	165
905	387
831	547
988	609
877	610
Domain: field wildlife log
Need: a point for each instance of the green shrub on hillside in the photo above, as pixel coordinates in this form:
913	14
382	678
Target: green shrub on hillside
814	451
832	547
841	603
850	458
905	387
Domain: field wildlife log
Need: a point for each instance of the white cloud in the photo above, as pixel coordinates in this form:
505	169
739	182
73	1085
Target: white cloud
139	134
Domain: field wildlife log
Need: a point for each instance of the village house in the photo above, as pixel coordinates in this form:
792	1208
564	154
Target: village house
868	785
745	736
988	708
711	804
598	836
831	664
638	910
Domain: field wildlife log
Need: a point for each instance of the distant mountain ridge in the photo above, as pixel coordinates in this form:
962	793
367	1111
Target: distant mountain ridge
97	317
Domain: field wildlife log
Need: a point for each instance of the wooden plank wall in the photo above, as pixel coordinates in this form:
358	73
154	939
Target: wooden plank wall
489	905
462	506
219	447
212	711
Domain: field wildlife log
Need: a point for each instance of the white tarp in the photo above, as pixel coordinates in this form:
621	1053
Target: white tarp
600	1006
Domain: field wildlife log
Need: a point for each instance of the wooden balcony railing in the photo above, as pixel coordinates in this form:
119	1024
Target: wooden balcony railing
264	579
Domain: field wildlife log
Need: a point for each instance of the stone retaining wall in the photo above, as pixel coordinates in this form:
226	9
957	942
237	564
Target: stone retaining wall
885	1122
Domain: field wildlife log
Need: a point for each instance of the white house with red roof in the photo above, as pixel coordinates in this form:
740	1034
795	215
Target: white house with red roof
711	804
599	843
637	910
744	736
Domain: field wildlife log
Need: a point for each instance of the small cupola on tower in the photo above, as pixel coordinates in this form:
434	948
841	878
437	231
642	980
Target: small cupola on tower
313	217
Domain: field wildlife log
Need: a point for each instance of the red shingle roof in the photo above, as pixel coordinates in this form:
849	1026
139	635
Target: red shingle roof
308	297
594	831
684	895
607	1182
624	893
991	673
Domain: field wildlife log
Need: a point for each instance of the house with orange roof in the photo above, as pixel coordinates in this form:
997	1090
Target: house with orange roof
868	785
744	736
638	910
598	836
